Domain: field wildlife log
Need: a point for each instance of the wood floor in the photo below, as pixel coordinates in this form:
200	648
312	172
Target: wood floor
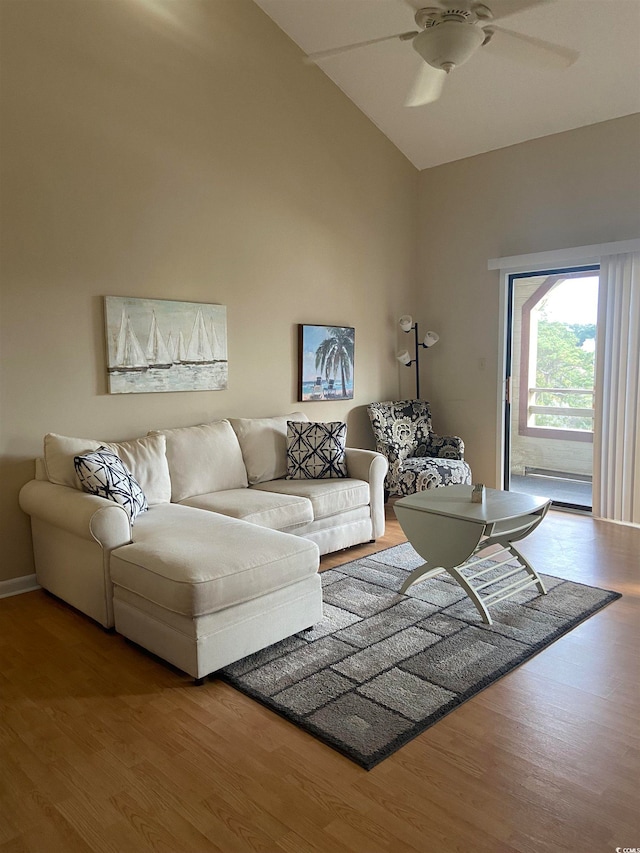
104	748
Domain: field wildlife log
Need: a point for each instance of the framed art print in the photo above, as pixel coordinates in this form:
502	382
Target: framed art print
162	345
325	362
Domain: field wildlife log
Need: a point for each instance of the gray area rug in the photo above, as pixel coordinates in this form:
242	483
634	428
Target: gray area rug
382	667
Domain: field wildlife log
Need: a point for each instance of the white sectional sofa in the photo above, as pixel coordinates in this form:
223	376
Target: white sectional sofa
224	562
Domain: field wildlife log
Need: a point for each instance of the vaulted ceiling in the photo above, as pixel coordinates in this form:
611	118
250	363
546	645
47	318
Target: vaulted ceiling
491	101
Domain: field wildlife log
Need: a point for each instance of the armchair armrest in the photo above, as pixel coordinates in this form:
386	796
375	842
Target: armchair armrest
445	446
372	467
394	451
84	515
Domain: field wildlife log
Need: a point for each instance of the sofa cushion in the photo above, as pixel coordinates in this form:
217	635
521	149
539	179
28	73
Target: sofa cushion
59	453
316	451
101	472
264	445
202	459
328	497
264	508
144	457
194	562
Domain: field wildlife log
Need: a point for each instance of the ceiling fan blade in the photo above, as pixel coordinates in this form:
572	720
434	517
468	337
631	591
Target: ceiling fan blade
335	51
427	86
504	8
529	50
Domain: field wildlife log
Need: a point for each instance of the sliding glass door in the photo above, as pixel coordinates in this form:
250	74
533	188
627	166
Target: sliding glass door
550	382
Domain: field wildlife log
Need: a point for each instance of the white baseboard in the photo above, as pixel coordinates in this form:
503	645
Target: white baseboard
16	586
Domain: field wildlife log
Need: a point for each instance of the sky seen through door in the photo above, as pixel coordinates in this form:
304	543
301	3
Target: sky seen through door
574	300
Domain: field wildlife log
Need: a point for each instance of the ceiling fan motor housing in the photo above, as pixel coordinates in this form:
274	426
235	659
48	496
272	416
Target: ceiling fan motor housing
448	43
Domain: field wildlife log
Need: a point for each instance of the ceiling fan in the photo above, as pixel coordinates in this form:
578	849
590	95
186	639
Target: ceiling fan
451	31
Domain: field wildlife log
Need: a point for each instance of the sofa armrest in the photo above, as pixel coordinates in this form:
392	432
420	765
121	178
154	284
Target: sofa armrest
445	446
372	467
84	515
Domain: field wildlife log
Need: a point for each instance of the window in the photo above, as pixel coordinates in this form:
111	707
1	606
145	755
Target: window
557	355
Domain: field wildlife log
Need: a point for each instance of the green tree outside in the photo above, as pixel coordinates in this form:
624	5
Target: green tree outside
563	363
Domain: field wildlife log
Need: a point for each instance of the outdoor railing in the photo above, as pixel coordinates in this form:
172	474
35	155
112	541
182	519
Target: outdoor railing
560	410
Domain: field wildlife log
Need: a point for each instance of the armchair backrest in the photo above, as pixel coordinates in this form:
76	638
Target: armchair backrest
400	428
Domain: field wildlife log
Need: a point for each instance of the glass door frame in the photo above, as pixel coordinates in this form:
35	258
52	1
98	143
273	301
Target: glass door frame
507	361
503	267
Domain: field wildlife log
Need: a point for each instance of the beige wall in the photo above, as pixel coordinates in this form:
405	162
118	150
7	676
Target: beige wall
572	189
186	153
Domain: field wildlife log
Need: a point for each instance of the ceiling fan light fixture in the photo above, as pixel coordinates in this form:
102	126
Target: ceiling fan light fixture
448	44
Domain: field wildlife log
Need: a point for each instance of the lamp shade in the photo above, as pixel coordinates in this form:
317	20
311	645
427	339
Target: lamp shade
431	338
406	322
404	357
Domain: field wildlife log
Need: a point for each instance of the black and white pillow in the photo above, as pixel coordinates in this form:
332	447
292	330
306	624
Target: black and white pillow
316	451
103	473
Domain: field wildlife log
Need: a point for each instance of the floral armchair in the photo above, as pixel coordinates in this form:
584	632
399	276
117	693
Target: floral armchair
418	459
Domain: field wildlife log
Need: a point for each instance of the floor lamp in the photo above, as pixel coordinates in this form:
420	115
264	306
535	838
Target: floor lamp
407	325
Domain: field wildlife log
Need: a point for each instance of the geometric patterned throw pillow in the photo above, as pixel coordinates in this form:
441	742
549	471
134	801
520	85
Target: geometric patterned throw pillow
316	451
103	473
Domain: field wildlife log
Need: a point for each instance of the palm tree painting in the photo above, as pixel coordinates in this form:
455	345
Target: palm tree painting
326	362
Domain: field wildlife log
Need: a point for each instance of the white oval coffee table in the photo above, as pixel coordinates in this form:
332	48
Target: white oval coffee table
451	533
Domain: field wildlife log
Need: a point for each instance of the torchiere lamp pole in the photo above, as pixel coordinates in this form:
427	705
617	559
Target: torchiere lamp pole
431	338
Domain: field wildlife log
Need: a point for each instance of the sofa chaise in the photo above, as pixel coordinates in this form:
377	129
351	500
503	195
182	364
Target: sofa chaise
224	562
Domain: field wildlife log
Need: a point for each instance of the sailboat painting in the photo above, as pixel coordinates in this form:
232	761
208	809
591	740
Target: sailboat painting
162	345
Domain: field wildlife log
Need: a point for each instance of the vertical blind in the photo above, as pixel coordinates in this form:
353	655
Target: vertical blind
616	471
